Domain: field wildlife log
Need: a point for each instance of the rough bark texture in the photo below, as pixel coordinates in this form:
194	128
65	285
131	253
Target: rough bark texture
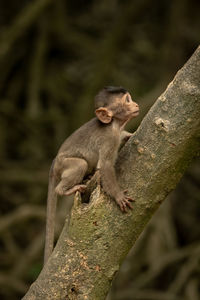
98	236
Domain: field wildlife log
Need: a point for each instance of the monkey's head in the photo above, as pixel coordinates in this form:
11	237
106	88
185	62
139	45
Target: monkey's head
115	103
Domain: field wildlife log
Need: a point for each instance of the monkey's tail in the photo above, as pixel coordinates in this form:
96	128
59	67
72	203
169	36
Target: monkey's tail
50	215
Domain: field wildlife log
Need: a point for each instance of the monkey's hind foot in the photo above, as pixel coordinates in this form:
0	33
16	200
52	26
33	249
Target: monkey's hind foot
79	187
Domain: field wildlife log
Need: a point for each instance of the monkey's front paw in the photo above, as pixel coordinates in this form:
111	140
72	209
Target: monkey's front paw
127	137
124	201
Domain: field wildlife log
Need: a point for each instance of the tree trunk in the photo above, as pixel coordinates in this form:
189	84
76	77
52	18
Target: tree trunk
98	236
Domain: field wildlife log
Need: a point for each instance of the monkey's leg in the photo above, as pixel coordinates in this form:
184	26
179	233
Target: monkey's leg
79	187
72	172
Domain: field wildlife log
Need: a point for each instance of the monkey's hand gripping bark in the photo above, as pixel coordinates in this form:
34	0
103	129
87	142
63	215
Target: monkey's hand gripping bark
121	199
124	201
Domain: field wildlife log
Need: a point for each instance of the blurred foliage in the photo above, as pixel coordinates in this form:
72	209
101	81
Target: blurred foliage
54	57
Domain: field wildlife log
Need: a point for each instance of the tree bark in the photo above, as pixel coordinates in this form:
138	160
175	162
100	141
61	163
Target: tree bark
98	236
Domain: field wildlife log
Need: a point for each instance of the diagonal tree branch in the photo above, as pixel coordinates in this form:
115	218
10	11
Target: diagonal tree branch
98	236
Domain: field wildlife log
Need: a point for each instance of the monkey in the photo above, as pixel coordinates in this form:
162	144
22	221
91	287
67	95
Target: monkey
94	146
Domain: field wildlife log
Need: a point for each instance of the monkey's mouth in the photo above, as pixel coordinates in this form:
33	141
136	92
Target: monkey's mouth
136	113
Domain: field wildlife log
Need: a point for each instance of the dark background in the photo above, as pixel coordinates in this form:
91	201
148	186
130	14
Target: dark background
54	57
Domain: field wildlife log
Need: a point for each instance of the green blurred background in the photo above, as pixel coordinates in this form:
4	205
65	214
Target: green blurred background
54	57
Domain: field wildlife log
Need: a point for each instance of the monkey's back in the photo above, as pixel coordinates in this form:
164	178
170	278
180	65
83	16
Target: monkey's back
86	141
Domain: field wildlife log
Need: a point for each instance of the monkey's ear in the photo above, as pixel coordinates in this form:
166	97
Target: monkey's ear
104	115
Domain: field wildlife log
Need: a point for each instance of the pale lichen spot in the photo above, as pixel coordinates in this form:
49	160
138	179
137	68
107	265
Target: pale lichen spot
162	124
140	150
70	243
162	98
189	120
136	142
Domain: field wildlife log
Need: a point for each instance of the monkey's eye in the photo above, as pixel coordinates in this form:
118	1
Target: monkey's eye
128	99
